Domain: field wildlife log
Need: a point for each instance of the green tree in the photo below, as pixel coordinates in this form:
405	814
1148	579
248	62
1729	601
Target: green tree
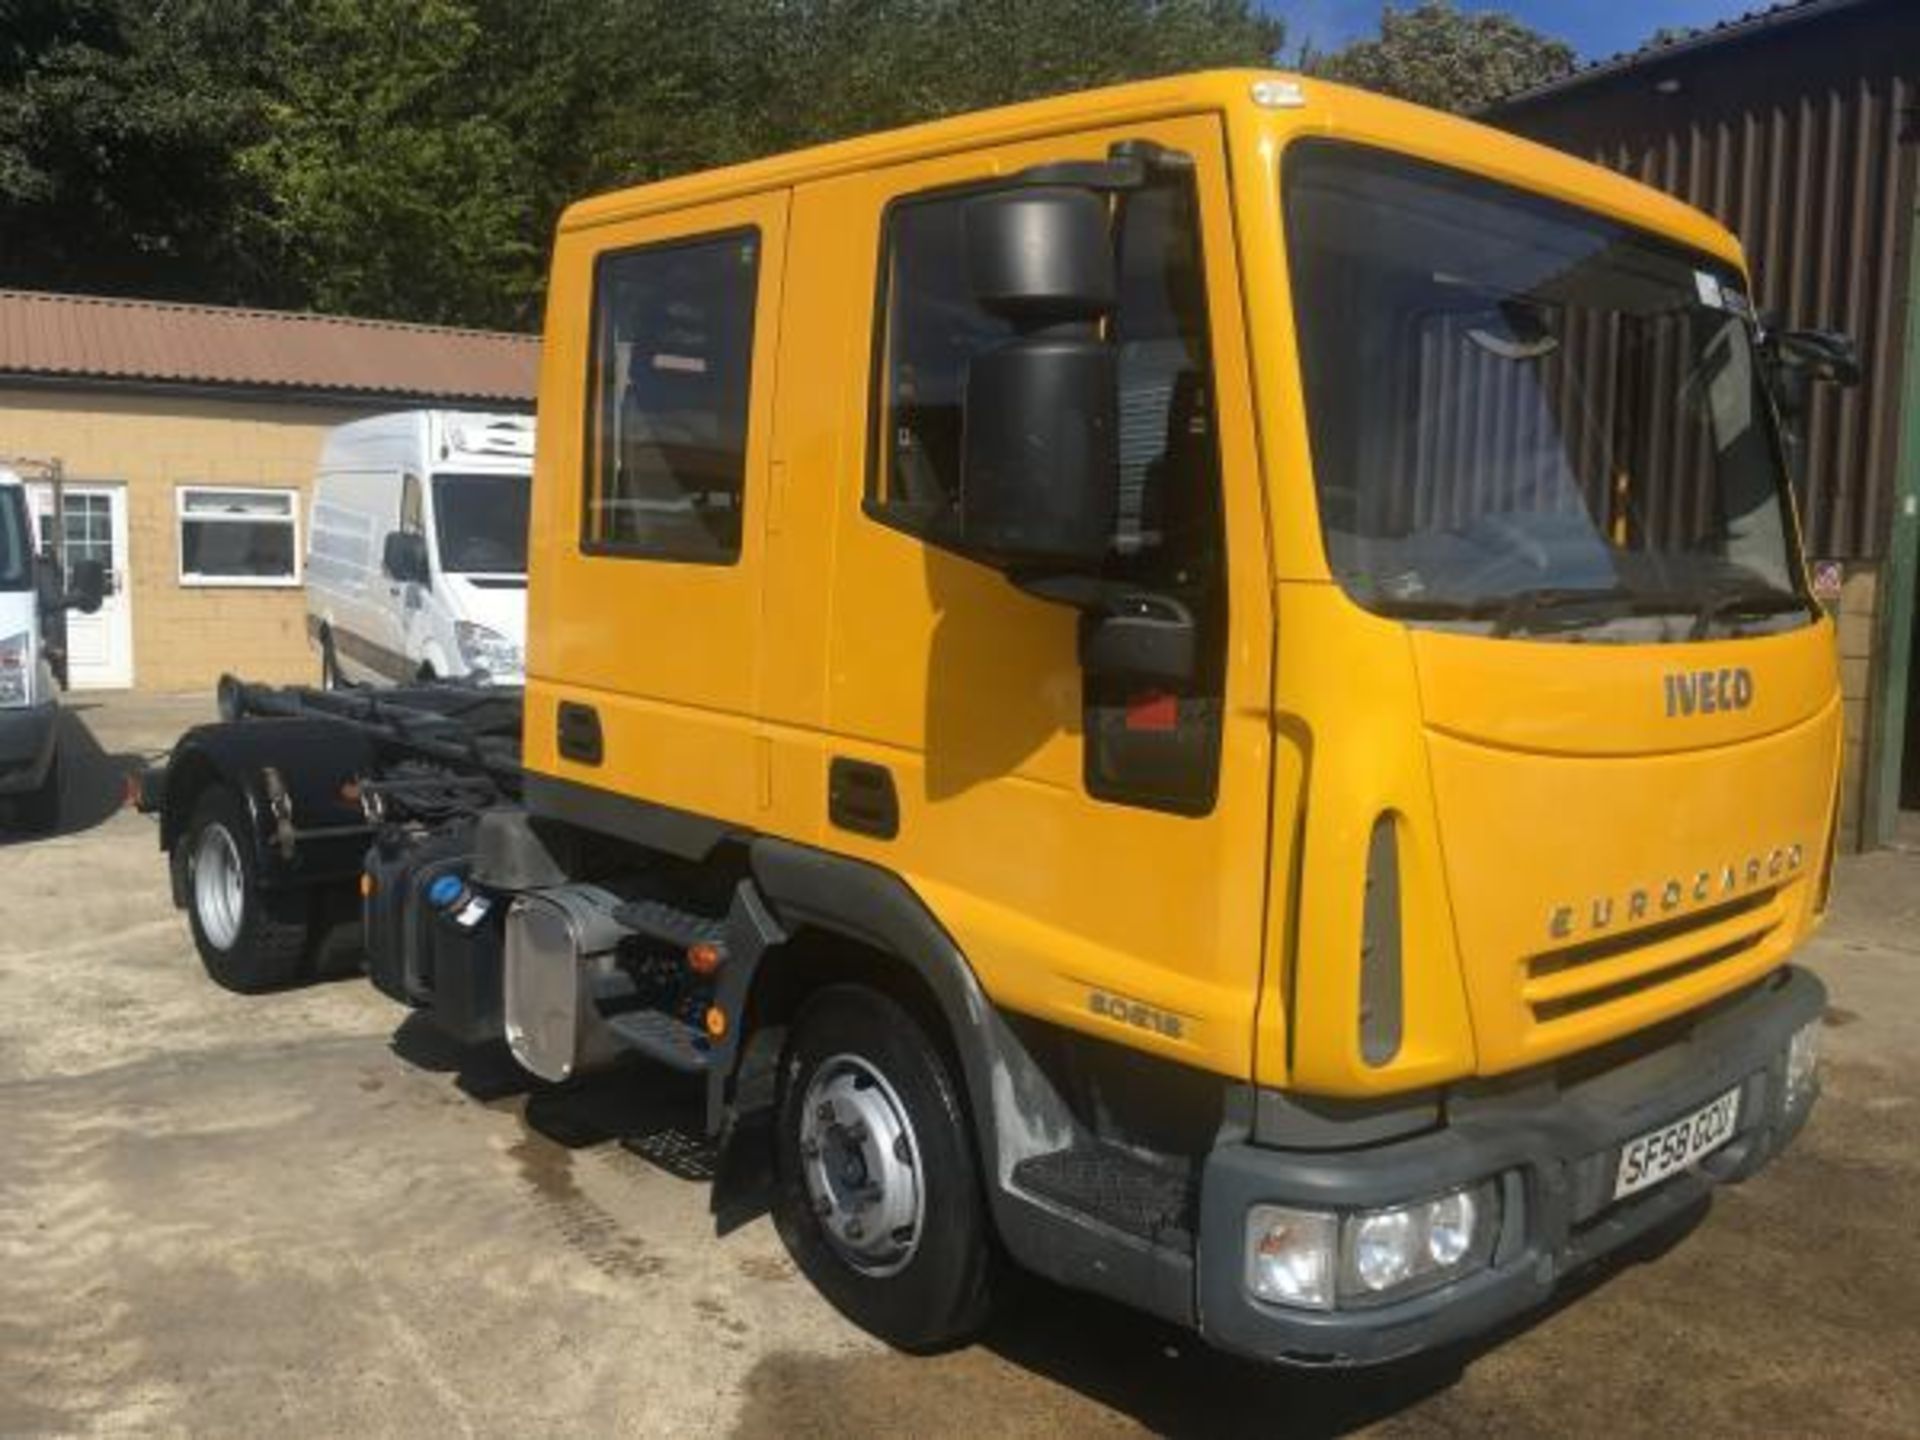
120	123
392	186
1436	55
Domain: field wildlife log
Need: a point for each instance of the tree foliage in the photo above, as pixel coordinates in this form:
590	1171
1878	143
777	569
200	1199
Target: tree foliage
1449	59
408	158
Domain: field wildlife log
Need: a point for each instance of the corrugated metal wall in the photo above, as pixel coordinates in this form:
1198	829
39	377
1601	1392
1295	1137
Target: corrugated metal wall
1805	140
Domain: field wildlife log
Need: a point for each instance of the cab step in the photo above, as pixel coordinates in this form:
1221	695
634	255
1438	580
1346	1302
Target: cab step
664	1038
671	925
1117	1188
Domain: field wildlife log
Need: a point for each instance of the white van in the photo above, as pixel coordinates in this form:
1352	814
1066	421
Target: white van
33	610
417	548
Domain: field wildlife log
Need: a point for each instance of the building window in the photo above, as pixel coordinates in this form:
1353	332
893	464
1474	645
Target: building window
238	537
672	361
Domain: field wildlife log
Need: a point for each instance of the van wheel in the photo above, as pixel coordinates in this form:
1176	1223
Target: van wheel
249	939
330	677
877	1192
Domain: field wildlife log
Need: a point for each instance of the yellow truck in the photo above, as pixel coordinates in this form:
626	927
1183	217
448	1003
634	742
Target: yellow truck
1208	687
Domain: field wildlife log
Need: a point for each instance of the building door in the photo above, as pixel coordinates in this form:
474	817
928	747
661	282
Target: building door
99	646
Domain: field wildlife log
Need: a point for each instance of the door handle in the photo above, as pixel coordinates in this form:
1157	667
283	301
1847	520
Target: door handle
579	733
861	798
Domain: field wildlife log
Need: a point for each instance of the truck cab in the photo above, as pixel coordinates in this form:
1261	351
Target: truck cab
1209	682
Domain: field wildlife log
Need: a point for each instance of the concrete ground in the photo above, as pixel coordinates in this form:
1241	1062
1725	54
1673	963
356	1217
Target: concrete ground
294	1214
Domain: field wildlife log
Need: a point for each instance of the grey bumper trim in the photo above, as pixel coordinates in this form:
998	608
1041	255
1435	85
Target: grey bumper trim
1555	1146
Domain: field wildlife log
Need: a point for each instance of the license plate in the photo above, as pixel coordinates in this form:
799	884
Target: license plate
1650	1158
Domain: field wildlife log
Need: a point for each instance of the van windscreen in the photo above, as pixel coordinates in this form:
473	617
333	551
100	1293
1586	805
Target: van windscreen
481	523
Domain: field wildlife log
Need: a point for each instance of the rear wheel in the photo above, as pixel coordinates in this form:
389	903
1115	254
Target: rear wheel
249	939
877	1192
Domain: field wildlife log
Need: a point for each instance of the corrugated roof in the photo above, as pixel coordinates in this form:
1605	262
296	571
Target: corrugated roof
1735	27
88	337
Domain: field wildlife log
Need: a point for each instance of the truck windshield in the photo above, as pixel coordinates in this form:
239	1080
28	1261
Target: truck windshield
481	523
16	550
1526	417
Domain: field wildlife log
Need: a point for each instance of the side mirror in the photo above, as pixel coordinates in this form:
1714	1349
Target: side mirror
404	557
1796	360
1040	447
86	587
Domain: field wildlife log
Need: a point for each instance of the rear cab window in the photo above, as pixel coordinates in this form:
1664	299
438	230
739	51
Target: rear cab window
668	395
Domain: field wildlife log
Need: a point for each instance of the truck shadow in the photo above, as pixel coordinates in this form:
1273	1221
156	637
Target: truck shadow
1174	1384
93	783
1163	1377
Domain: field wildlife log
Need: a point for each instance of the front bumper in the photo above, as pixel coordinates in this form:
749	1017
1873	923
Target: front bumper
27	736
1553	1146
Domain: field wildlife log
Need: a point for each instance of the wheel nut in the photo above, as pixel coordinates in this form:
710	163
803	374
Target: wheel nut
855	1230
825	1112
857	1132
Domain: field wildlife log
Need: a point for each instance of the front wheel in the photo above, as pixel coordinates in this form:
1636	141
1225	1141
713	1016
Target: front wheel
249	939
877	1192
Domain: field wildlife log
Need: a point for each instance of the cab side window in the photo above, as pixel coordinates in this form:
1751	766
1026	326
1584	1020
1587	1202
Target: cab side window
1144	746
1169	513
672	354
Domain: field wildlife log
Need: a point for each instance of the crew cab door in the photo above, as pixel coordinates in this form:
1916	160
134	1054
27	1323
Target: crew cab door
1097	851
646	564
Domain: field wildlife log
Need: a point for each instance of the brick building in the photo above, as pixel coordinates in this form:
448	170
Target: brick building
188	436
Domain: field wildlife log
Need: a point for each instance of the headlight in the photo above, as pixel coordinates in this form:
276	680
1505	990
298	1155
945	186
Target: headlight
484	648
16	668
1320	1261
1803	1066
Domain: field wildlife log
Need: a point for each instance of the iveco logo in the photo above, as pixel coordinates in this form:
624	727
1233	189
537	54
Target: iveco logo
1668	897
1702	692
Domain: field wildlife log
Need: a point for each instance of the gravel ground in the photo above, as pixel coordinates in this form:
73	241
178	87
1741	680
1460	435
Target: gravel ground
238	1216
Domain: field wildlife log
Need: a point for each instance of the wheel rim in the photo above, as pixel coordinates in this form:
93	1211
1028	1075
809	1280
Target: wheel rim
862	1166
219	886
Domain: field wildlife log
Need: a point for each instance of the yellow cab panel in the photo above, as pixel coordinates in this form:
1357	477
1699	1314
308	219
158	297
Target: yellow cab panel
1585	742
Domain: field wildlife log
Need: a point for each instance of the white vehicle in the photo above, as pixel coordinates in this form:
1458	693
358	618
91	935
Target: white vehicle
417	548
33	609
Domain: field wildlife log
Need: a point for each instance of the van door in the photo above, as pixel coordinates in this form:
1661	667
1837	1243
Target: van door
1098	851
645	598
94	527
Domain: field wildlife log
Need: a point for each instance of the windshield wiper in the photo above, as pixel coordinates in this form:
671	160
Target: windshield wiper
1731	604
1518	608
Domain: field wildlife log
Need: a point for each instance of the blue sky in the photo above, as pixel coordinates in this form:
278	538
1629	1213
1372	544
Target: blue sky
1595	28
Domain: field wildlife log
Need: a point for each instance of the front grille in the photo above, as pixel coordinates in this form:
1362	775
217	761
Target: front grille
1578	978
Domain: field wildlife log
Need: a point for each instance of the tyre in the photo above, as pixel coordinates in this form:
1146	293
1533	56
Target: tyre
39	809
877	1191
249	939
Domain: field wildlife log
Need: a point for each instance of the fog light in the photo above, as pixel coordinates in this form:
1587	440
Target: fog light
1290	1256
1803	1065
